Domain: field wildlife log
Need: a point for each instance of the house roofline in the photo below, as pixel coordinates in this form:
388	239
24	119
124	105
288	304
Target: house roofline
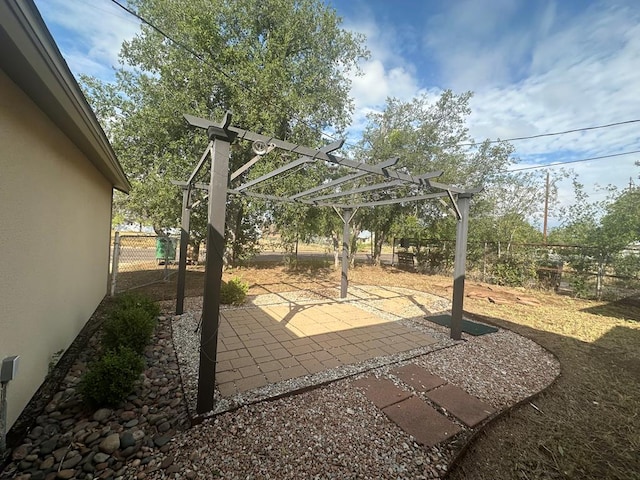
31	58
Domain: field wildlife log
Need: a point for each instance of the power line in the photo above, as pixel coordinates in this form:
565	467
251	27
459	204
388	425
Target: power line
573	161
552	134
250	89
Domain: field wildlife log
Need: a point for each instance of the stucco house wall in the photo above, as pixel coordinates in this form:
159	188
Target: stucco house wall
57	173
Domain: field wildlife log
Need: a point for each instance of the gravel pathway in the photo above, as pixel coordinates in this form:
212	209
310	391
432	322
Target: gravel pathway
332	431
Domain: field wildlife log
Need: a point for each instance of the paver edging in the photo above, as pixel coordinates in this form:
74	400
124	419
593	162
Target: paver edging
235	403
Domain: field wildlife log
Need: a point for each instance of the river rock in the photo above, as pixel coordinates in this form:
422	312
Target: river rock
66	474
100	457
19	453
110	444
127	439
102	415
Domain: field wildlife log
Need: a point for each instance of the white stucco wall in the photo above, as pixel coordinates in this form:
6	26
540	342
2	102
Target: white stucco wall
55	210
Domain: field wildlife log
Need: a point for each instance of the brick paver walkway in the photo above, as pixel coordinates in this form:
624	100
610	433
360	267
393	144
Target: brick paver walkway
272	343
414	415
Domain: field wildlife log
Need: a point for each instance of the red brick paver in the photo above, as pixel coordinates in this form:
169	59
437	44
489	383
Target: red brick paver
464	406
421	421
381	392
418	377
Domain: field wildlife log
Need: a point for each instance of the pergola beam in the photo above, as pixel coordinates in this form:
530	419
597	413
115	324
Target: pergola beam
390	201
370	188
289	166
318	154
347	178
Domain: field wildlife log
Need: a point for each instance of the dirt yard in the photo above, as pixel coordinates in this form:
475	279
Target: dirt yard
586	425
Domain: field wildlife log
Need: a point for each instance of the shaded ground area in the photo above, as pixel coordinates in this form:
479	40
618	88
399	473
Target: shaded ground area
587	425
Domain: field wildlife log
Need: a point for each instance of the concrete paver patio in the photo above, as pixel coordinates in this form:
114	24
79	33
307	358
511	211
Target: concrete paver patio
277	342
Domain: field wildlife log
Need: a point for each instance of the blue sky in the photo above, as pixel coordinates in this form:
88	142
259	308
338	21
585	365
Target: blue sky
534	67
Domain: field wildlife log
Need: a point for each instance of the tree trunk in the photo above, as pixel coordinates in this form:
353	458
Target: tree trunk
353	248
380	237
194	254
336	250
599	278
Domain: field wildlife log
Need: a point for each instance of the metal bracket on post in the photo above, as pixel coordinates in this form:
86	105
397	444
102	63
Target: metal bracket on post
259	153
455	205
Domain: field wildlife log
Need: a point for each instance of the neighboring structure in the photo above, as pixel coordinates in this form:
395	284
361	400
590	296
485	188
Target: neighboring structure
57	174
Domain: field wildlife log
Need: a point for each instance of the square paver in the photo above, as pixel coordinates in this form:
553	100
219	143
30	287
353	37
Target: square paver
418	377
249	383
227	389
381	392
421	421
464	406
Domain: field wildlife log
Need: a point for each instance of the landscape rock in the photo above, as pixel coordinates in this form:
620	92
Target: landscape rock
107	443
110	444
102	415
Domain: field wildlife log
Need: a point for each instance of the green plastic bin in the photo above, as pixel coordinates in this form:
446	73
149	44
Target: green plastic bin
165	250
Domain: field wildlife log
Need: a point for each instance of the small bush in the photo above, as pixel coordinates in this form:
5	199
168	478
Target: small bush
137	300
514	270
234	291
111	378
129	327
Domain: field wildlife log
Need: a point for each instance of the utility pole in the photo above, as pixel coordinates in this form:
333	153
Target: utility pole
546	211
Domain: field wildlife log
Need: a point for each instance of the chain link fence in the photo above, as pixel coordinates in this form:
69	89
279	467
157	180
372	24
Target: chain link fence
140	260
569	269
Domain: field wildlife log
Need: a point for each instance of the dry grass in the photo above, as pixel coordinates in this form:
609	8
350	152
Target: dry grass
586	426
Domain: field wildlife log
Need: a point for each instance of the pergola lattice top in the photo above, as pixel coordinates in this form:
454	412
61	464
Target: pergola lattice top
308	155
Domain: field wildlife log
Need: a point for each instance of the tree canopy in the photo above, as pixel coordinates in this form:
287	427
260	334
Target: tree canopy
281	66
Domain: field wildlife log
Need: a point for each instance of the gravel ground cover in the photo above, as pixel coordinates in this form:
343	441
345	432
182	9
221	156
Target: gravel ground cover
333	431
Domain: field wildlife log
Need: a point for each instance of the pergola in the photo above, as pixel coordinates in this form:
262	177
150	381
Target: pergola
220	136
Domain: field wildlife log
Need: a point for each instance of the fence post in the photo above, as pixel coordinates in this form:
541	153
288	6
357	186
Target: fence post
114	262
484	263
393	251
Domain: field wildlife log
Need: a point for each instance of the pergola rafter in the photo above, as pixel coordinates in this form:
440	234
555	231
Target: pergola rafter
221	135
347	178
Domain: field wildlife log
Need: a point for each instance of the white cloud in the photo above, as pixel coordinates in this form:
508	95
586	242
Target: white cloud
581	73
89	34
386	74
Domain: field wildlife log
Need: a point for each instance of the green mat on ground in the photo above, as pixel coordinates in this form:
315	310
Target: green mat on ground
472	328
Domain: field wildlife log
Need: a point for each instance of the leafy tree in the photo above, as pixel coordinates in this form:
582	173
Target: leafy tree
601	232
281	66
427	135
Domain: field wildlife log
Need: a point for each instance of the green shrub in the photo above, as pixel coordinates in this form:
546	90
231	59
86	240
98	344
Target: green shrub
111	378
137	300
129	327
514	270
234	291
